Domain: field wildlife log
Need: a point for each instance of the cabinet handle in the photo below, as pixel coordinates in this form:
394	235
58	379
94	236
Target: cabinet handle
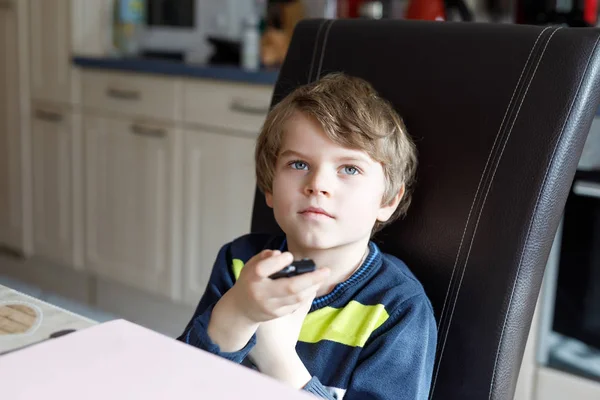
146	131
123	94
48	116
588	189
6	4
239	105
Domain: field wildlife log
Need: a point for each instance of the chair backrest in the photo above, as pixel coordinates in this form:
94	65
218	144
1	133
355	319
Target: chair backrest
499	114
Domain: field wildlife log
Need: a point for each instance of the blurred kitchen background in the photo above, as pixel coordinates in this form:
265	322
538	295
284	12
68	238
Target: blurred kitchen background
127	134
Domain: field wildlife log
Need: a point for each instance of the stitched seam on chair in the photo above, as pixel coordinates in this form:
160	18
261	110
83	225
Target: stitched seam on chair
494	174
495	169
483	174
537	202
485	169
312	63
495	154
323	49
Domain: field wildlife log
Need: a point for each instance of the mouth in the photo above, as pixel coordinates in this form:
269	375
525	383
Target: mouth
315	211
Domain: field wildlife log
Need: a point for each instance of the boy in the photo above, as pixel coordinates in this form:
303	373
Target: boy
335	164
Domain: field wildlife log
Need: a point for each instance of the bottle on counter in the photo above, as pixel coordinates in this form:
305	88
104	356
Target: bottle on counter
128	21
250	57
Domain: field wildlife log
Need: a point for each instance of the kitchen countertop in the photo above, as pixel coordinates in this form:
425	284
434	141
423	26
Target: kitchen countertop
25	320
176	68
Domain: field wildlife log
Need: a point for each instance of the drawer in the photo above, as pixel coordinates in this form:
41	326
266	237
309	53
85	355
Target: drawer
231	106
131	94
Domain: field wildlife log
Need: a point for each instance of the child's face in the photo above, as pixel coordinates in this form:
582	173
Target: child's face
325	195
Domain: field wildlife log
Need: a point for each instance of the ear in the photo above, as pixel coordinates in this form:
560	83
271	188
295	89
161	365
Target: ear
387	210
269	199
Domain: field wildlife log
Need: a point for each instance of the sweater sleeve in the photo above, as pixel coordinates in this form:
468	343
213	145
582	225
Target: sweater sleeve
397	363
315	387
195	333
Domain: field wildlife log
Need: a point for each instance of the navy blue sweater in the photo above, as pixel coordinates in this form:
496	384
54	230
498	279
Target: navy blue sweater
372	337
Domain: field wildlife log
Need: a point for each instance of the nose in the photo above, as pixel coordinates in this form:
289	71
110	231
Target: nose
317	183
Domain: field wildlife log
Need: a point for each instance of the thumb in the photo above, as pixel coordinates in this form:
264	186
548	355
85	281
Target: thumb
268	253
273	263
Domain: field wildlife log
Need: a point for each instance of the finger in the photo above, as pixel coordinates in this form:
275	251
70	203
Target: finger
260	256
273	263
291	286
306	305
307	295
269	252
266	254
299	283
251	264
311	292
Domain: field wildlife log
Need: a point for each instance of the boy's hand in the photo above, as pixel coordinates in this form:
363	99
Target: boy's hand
256	298
259	298
275	351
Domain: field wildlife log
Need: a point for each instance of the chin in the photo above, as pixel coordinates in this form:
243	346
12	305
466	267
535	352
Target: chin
312	240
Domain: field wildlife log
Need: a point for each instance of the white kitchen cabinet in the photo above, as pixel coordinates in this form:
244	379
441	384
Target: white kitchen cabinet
131	95
132	203
56	184
235	107
219	185
50	49
11	170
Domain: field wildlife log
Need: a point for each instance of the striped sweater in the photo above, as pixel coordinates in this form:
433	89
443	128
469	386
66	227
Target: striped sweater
372	337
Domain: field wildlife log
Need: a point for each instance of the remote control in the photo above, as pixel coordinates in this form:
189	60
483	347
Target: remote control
296	268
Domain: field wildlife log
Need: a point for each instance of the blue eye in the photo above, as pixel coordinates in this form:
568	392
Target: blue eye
300	165
351	170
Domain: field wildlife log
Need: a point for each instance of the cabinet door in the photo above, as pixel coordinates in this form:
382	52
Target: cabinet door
11	218
50	49
219	184
130	180
54	207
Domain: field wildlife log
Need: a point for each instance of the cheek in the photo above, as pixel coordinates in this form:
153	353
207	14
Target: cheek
364	199
288	180
283	190
280	186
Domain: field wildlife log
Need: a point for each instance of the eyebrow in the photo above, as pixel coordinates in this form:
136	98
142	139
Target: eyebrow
354	159
292	153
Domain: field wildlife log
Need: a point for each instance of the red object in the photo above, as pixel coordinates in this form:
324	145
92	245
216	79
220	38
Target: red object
433	10
349	8
590	12
353	6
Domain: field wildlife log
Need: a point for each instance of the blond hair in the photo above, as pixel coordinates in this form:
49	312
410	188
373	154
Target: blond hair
352	115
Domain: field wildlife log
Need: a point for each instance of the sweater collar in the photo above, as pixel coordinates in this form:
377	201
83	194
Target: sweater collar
370	264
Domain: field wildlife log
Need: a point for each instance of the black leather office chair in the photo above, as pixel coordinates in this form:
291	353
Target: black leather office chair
499	114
